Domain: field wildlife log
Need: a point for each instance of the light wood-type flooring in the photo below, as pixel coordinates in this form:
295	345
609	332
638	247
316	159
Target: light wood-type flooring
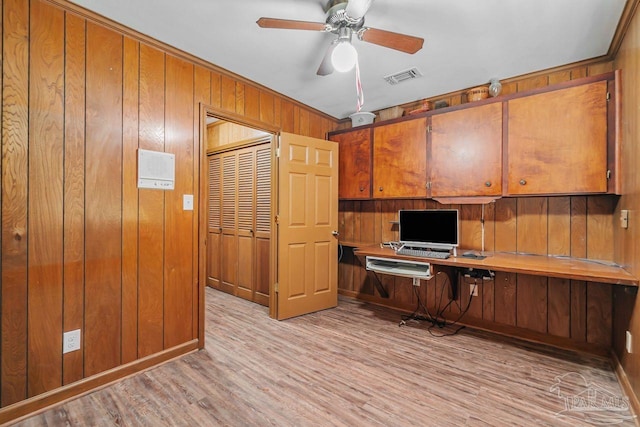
350	366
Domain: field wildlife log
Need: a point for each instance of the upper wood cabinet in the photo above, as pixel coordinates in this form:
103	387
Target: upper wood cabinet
354	164
400	159
466	152
557	142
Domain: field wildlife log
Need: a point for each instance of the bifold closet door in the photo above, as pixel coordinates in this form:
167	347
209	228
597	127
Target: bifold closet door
229	238
246	217
263	224
214	229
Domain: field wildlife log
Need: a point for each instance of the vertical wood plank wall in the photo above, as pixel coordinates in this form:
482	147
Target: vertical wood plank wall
627	248
82	247
578	226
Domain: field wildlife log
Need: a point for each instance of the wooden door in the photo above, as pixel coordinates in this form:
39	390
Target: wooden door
354	163
466	152
214	229
400	159
307	268
557	141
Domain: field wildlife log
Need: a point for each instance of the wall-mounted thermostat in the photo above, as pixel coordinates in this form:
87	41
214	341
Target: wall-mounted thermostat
156	169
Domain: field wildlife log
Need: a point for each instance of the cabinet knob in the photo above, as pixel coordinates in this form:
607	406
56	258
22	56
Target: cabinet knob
380	189
487	184
361	188
523	182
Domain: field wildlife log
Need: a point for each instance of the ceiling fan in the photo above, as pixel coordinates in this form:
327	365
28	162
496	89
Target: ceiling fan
344	19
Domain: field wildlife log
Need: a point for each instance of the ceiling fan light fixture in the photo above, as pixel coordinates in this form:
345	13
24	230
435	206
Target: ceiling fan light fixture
344	56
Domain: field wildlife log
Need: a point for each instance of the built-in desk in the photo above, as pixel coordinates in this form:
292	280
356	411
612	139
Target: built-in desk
538	265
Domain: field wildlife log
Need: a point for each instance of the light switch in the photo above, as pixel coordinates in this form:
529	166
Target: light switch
187	202
624	218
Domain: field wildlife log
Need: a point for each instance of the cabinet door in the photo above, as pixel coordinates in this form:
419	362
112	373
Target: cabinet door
557	141
400	159
466	152
354	164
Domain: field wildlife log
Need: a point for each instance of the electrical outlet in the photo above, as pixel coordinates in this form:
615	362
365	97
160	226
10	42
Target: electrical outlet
71	341
473	289
628	343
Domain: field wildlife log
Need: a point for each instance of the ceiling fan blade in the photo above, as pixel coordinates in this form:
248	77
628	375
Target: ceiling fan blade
397	41
357	8
290	24
326	67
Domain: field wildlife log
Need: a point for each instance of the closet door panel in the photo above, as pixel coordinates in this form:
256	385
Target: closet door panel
229	237
214	228
263	224
246	218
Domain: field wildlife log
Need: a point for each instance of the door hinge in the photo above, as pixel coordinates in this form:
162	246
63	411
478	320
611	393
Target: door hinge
275	287
277	219
429	128
278	152
608	96
429	185
608	173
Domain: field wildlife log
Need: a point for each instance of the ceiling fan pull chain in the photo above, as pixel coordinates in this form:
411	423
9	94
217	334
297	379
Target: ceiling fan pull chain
359	92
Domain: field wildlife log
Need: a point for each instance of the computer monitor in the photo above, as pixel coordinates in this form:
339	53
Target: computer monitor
429	228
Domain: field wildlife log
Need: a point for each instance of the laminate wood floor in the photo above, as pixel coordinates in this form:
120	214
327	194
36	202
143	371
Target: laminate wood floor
351	366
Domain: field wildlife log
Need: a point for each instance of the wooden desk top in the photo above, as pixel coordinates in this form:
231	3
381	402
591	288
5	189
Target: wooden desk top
538	265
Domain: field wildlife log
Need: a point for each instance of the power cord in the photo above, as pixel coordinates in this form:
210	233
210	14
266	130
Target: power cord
439	320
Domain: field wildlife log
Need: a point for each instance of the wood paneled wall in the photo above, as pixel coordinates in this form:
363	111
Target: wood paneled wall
578	226
627	249
82	247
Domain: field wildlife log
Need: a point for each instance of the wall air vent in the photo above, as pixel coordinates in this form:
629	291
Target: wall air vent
394	79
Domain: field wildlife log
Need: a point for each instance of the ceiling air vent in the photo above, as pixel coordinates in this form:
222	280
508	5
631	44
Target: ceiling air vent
412	73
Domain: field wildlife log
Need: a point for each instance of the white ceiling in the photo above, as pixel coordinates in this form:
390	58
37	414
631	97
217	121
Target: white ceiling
467	42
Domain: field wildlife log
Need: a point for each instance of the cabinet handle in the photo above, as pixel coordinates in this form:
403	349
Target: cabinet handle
380	188
523	182
487	184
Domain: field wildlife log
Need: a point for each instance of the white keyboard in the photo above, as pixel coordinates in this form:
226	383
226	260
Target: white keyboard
423	253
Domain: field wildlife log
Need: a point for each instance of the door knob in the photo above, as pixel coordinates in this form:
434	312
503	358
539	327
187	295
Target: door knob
335	233
487	184
523	182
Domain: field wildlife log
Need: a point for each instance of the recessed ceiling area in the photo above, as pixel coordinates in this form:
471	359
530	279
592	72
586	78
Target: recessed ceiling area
466	43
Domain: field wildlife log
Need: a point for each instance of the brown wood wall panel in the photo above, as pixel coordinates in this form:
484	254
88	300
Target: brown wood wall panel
151	206
95	244
579	311
559	226
599	313
252	102
505	225
627	247
178	236
505	298
46	172
130	201
532	220
103	198
74	100
15	131
578	218
559	306
600	220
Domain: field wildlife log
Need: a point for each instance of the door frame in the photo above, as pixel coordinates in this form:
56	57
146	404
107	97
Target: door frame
202	187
